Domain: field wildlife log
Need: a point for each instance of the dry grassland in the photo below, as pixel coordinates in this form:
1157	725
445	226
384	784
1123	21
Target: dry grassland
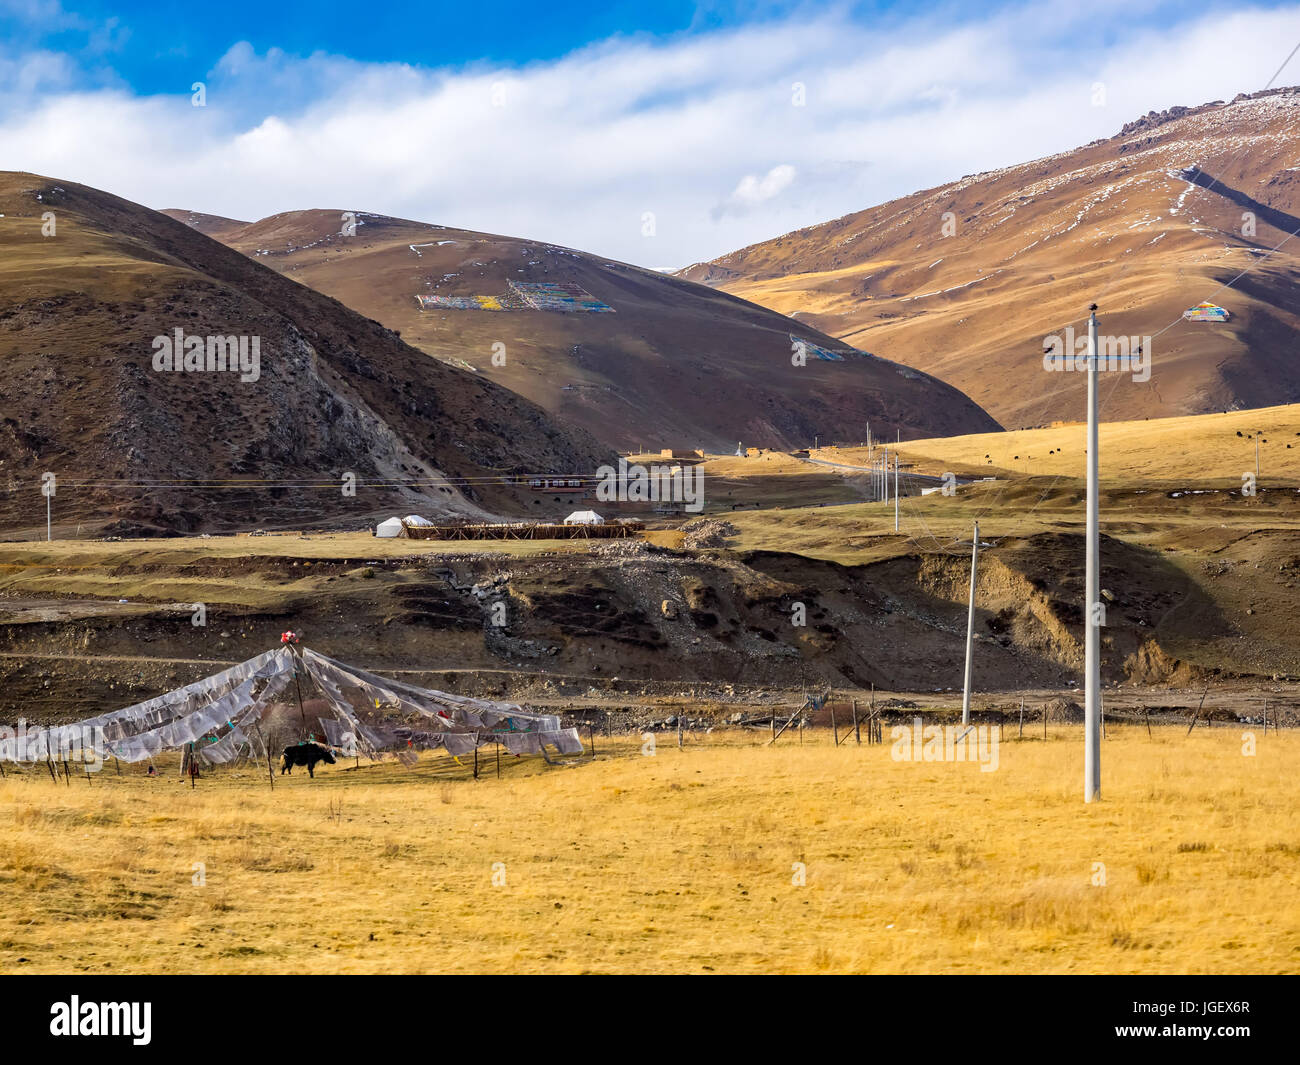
681	862
1203	448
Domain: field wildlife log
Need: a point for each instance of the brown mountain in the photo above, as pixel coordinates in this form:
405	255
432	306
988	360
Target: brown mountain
966	281
671	364
85	307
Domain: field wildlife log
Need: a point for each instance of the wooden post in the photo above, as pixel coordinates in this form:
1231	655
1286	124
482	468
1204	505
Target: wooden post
476	756
1198	710
857	729
593	752
1265	717
269	775
680	727
777	732
835	731
1022	718
117	766
1146	713
67	777
297	684
1044	721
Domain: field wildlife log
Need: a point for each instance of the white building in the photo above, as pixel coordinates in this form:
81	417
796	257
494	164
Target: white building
584	517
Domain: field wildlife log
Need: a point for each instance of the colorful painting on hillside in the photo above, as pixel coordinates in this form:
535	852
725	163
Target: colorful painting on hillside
825	354
461	303
558	296
1206	312
522	296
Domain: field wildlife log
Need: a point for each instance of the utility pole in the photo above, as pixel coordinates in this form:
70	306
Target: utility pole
895	491
970	626
49	535
1092	638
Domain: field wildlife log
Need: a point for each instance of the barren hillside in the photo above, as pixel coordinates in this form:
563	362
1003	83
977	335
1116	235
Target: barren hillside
90	282
965	281
638	358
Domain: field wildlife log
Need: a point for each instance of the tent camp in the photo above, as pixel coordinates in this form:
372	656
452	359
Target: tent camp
1206	312
584	517
391	527
291	695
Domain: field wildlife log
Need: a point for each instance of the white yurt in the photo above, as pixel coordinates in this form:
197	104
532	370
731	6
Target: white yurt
584	517
391	527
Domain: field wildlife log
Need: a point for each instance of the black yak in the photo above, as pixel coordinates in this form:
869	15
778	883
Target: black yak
307	754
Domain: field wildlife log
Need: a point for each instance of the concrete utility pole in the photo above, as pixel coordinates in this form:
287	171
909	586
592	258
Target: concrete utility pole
970	626
1092	638
895	491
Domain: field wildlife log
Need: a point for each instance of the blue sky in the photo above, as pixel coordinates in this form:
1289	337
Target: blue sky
154	47
155	52
725	122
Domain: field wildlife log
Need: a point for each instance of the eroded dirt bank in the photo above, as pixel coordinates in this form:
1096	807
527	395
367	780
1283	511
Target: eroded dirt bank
627	621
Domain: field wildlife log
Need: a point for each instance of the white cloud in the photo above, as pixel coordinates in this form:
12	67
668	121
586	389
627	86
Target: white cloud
754	191
577	149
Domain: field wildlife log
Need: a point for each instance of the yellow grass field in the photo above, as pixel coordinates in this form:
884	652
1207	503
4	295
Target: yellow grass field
680	862
1203	448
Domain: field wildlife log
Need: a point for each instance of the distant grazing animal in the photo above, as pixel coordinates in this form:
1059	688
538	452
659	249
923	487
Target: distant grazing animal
307	754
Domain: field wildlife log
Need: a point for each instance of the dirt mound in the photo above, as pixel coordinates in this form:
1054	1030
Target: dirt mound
1063	711
620	549
708	532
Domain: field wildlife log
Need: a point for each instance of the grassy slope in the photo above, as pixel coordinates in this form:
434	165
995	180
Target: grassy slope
649	374
677	863
336	392
1029	247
